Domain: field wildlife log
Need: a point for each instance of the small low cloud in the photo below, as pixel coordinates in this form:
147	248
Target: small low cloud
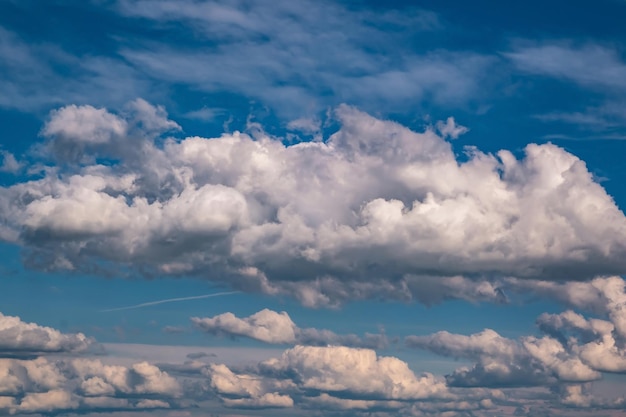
272	327
19	338
9	163
572	348
450	129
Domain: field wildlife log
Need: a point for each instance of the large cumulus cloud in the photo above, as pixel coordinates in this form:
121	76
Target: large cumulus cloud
376	210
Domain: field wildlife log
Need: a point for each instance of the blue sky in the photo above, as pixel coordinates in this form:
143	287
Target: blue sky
312	208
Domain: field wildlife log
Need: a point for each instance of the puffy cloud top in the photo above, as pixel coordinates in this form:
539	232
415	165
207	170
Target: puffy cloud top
325	377
354	372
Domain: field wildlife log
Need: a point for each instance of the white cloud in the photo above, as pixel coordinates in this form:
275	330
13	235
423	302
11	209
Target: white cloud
18	338
45	385
574	348
328	377
48	402
34	69
375	211
589	65
277	328
266	326
42	385
9	163
295	54
602	295
450	129
356	372
581	396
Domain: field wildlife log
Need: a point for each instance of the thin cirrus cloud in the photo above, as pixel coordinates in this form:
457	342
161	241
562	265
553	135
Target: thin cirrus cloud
296	53
337	371
32	73
592	67
377	210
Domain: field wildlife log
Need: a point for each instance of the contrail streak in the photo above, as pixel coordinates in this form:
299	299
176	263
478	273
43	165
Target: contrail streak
169	300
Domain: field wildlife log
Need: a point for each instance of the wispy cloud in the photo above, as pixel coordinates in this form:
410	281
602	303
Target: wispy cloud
170	300
591	65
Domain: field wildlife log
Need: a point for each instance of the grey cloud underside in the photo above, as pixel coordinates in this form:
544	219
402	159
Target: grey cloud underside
376	210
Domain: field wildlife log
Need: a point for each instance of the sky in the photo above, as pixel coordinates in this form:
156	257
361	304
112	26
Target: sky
312	208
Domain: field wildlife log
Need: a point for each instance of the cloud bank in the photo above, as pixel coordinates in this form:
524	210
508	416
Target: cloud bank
376	210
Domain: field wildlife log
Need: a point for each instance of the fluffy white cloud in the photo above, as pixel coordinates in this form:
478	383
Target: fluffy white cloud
375	211
266	325
42	385
600	345
84	124
505	362
357	372
602	295
248	390
48	401
9	163
18	338
581	396
574	348
328	377
272	327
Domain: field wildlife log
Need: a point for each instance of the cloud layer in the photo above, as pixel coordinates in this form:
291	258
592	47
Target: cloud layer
376	210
